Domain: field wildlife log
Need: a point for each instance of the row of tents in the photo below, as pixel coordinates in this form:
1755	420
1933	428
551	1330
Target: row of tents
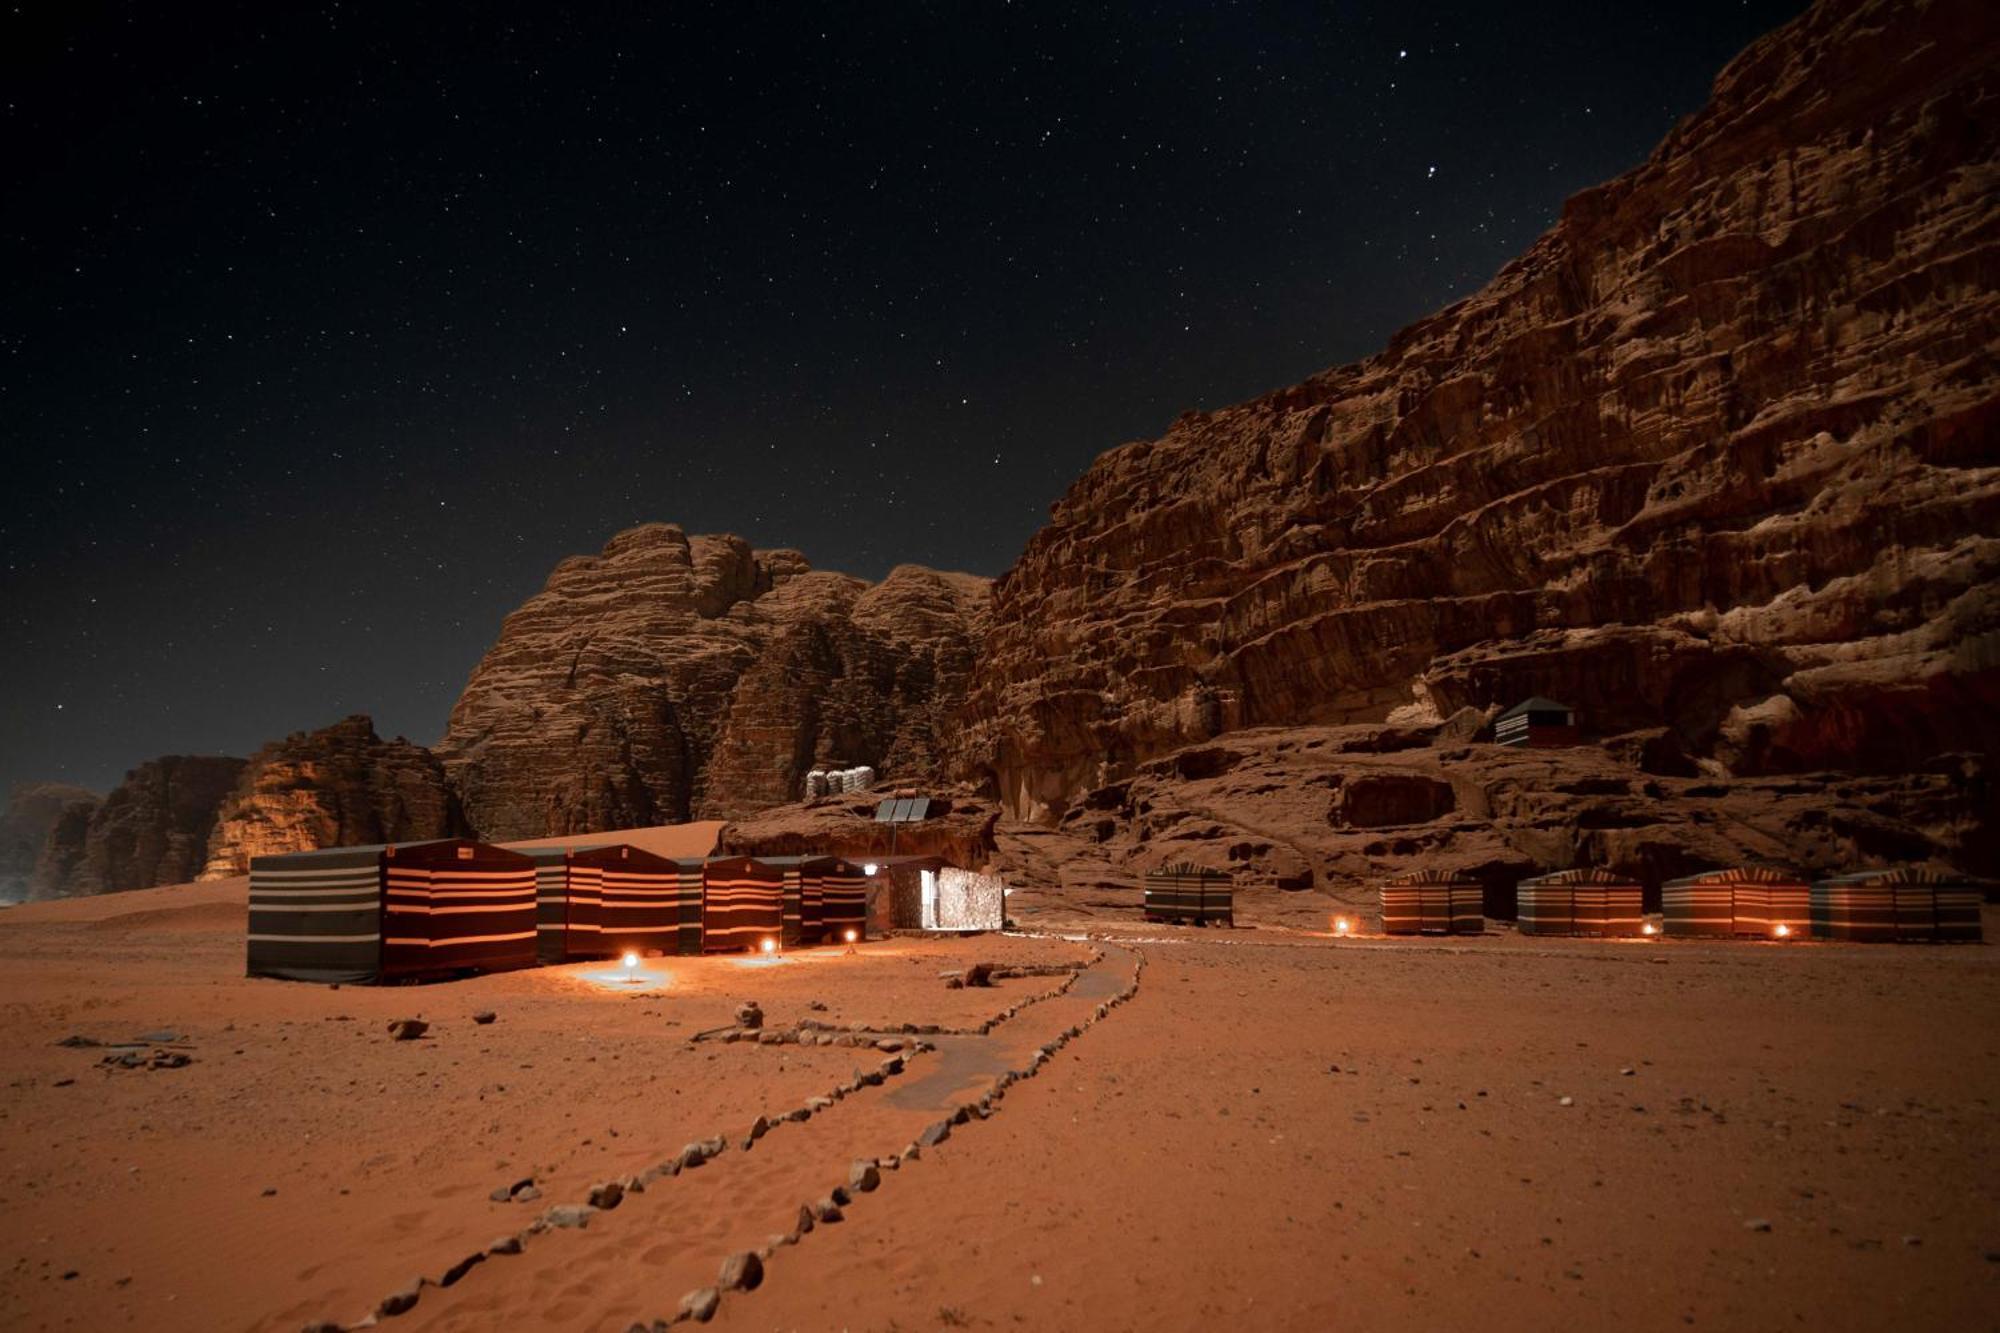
1874	906
413	911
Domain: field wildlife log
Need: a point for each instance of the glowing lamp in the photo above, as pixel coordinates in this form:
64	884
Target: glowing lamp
1649	929
870	868
770	945
851	937
1340	925
631	960
1781	930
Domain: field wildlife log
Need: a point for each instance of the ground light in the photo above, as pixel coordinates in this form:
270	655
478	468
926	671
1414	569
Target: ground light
1649	929
870	868
1341	925
850	937
769	945
1781	930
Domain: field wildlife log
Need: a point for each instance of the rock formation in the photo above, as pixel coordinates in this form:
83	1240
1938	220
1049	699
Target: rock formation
1339	808
152	830
960	830
33	810
340	786
1718	458
673	677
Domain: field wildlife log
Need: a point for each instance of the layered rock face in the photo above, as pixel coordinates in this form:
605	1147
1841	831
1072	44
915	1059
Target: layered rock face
1339	808
340	786
33	810
152	830
675	677
1719	456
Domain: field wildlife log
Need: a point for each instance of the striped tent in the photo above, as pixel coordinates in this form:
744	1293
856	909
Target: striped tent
742	904
1190	893
568	906
1743	900
843	890
643	899
806	880
1433	902
1908	903
1588	901
391	912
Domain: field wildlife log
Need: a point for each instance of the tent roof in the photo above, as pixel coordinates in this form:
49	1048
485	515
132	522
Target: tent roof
1535	703
673	841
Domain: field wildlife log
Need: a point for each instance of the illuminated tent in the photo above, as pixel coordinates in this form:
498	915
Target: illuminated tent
1742	900
645	902
391	912
1909	903
568	907
1190	893
742	904
806	881
1589	901
843	902
1433	902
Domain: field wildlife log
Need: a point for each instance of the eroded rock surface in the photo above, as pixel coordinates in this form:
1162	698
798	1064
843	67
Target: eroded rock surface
1716	457
1284	814
674	677
340	786
153	829
32	813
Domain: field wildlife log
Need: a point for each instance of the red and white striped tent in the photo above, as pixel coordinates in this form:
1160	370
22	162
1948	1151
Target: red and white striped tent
391	912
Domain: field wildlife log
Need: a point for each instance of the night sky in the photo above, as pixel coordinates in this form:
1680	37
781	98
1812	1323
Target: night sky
326	331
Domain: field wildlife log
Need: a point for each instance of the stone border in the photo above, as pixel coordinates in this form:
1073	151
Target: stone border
606	1195
865	1176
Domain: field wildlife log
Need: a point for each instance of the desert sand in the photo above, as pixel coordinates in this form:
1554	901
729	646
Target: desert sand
1277	1130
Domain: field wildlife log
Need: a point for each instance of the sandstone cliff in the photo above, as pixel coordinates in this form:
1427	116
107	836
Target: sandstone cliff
673	677
153	829
1339	808
1720	454
33	810
339	786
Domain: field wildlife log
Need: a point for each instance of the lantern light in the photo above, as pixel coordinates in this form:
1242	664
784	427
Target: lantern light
631	960
1781	930
869	868
1649	929
1340	925
851	937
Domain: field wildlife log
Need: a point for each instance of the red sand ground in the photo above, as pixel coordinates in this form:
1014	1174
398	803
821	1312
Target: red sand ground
1194	1159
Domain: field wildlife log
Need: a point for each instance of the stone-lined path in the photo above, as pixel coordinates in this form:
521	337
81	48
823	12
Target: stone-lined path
656	1254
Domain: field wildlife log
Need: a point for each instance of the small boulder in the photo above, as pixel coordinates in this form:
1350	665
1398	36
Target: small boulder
606	1196
407	1029
863	1176
484	1016
700	1305
575	1215
504	1245
400	1300
741	1271
934	1134
749	1014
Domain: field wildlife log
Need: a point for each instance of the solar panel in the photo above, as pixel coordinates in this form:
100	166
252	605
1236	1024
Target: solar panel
903	810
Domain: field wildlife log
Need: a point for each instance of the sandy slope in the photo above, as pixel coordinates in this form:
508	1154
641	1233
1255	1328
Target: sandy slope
1192	1160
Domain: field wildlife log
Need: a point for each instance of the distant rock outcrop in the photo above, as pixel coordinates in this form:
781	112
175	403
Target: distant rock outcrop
1719	457
152	830
33	810
339	786
675	677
